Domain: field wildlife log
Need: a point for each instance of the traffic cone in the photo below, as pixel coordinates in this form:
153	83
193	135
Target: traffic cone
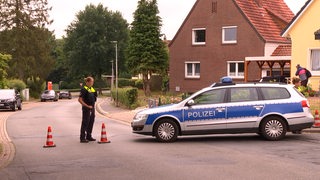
103	138
316	119
49	142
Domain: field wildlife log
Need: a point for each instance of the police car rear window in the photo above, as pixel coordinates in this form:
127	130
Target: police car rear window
270	93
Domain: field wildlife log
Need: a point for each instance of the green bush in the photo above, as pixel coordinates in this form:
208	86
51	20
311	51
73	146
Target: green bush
36	86
126	96
16	84
126	82
138	83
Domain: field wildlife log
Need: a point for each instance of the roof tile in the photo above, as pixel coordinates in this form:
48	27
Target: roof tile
269	17
282	50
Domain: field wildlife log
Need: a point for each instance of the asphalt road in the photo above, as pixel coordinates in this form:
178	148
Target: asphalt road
131	156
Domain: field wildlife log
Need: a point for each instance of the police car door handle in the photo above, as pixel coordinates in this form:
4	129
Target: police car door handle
220	109
258	107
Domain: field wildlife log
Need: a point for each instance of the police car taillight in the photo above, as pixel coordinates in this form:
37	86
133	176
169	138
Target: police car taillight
305	103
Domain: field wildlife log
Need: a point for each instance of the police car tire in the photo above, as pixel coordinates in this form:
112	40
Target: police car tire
273	128
166	131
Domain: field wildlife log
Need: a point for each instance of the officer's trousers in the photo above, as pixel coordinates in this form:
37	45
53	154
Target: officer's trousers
88	116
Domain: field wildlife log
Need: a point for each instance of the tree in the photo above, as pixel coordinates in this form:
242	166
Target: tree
4	59
146	53
61	68
24	35
88	45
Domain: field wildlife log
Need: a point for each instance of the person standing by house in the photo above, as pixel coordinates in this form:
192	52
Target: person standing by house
303	74
87	99
297	83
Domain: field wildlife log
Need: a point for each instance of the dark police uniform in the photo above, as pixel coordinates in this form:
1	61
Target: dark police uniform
89	96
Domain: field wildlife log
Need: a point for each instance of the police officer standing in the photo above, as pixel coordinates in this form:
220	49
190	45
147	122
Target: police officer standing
87	99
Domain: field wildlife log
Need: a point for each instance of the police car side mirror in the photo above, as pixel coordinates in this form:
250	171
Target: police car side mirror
190	102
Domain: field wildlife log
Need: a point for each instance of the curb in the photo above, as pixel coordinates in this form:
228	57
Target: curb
311	130
8	148
109	115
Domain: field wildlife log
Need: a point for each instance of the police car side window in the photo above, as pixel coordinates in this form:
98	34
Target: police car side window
210	97
243	94
270	93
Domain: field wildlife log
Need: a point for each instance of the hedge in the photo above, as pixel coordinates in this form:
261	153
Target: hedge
127	97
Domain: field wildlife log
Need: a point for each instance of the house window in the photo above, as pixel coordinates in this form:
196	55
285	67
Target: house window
236	69
229	35
192	69
199	36
315	59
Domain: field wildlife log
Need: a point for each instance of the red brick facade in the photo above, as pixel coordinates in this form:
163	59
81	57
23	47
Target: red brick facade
214	55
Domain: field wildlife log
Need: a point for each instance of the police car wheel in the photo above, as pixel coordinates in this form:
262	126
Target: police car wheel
166	131
273	128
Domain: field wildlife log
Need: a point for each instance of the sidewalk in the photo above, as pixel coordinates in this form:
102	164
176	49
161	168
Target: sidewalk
107	108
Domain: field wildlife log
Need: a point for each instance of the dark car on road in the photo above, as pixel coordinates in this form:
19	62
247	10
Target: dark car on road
65	95
276	79
49	95
10	99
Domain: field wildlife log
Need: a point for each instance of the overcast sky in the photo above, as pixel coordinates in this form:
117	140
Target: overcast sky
172	12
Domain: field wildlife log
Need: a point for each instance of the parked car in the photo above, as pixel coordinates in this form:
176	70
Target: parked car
49	95
278	79
268	109
10	99
65	95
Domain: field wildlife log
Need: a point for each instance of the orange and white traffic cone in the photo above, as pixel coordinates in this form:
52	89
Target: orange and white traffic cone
49	142
316	120
103	138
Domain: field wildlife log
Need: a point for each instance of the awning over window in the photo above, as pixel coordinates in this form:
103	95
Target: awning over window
270	61
281	57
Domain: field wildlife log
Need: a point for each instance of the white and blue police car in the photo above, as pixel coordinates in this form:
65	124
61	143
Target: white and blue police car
270	110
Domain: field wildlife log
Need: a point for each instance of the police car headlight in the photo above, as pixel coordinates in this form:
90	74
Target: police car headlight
140	117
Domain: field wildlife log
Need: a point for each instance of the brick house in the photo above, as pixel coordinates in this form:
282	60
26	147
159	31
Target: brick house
222	37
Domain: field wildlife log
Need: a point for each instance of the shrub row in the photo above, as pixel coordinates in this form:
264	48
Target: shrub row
127	97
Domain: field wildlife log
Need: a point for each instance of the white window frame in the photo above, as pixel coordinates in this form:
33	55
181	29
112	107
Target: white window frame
194	36
237	69
313	72
223	35
194	75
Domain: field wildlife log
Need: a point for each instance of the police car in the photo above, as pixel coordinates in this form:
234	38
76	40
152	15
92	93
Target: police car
271	110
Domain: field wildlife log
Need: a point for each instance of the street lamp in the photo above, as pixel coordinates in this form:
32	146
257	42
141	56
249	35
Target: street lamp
112	75
116	43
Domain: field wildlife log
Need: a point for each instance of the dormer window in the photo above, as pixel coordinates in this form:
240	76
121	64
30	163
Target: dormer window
229	35
199	36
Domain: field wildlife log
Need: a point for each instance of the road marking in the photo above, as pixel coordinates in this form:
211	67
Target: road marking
8	149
